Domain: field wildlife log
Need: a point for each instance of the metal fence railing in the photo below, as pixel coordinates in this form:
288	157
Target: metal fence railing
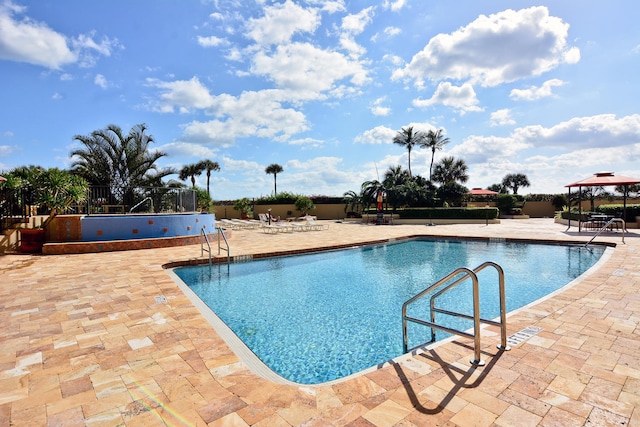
13	206
107	200
16	204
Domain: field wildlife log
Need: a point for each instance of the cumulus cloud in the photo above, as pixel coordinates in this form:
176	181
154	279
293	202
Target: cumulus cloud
356	23
533	93
503	47
604	130
377	135
211	41
185	95
613	135
100	80
281	21
377	109
258	114
395	6
462	99
502	118
307	69
25	40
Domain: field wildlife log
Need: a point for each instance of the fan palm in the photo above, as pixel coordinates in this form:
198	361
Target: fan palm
191	171
515	181
450	169
408	138
274	169
208	166
434	140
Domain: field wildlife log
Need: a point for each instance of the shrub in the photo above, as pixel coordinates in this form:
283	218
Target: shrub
449	213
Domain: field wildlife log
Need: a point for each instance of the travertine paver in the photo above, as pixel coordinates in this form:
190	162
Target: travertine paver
84	340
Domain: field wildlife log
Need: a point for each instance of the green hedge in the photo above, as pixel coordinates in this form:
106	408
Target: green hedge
449	213
616	211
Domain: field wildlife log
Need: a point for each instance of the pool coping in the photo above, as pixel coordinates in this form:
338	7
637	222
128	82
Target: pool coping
258	367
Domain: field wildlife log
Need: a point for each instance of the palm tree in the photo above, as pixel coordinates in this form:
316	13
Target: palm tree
450	169
352	201
191	171
434	140
515	181
274	169
408	138
118	161
208	166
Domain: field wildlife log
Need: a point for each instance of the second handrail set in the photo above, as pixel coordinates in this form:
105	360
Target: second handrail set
463	274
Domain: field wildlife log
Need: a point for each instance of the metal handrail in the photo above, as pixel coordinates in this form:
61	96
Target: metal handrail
228	248
502	324
466	274
611	221
139	203
205	239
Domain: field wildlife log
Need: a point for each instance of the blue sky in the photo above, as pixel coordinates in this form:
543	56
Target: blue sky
320	87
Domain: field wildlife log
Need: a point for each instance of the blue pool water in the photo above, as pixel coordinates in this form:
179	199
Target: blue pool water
319	317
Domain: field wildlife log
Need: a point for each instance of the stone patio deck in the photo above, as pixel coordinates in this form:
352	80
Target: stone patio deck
85	341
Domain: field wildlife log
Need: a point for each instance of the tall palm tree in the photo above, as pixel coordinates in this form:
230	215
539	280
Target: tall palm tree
191	171
515	181
118	161
434	140
274	169
450	169
408	138
208	166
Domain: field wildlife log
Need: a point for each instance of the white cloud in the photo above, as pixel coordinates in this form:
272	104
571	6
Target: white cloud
180	149
211	41
377	109
259	114
308	70
183	94
356	23
604	130
100	80
502	118
57	96
377	135
530	43
25	40
614	136
462	99
280	22
533	93
395	6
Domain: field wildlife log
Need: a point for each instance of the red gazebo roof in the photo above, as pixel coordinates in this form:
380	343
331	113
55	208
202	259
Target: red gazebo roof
482	192
603	179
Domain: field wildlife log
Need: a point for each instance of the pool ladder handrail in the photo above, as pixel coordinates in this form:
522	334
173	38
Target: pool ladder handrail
205	239
226	242
143	200
466	274
611	221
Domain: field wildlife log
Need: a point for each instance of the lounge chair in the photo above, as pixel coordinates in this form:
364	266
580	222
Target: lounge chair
313	225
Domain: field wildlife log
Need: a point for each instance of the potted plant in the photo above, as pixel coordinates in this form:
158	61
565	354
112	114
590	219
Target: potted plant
244	206
53	189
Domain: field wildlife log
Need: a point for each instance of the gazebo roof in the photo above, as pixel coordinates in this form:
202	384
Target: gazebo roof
603	179
481	192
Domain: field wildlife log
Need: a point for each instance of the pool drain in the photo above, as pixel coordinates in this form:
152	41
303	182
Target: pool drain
522	335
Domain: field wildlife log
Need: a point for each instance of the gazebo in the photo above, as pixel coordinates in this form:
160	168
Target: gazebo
601	179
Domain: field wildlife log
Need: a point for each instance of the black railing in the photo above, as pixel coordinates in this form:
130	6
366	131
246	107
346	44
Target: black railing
13	206
107	200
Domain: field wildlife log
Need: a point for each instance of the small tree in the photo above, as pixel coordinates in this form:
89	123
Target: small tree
304	204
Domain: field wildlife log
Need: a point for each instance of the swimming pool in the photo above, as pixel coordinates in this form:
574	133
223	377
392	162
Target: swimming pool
323	316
